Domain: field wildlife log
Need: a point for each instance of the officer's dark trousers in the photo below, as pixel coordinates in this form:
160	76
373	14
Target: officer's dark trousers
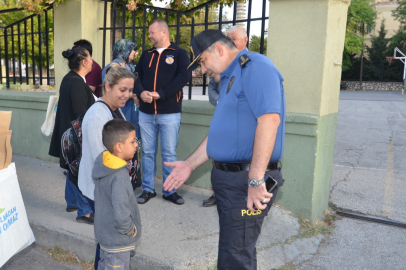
239	227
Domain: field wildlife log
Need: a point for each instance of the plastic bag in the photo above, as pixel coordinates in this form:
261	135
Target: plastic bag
48	126
15	231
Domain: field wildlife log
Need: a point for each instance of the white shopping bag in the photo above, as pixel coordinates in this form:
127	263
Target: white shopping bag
15	231
48	126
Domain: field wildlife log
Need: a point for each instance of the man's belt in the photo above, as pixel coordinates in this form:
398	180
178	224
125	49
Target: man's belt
241	166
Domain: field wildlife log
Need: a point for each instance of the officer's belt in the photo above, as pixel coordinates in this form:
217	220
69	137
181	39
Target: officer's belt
241	166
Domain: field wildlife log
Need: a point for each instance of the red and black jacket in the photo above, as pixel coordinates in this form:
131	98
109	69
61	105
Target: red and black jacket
165	73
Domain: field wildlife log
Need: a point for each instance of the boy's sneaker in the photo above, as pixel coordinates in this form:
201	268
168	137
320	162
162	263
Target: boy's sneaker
145	196
87	220
175	198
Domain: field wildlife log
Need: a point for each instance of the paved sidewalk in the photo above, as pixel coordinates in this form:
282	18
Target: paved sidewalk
174	237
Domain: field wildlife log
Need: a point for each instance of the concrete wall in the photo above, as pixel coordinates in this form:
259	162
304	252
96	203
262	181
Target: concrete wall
306	41
29	110
78	20
375	86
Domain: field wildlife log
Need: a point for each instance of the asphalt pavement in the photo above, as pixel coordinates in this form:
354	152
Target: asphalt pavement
369	179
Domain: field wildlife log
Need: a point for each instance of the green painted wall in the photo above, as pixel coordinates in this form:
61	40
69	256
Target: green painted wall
29	110
324	163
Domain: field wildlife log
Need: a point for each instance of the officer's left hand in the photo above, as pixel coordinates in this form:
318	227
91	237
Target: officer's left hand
256	196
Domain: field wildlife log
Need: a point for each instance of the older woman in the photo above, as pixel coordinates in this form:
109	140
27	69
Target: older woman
118	87
75	98
123	55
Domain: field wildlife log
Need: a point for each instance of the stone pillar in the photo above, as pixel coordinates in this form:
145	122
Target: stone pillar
306	42
79	20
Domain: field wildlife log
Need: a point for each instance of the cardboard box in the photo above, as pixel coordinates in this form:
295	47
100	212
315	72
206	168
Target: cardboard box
5	138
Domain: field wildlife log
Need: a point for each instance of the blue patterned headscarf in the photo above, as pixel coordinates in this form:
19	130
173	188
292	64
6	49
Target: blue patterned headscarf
122	50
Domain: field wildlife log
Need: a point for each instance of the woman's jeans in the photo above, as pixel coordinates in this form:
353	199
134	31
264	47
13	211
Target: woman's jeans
75	199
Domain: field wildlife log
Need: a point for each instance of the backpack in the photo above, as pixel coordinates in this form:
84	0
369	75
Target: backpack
71	145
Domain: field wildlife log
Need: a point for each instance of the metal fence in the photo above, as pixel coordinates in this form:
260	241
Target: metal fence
25	44
133	25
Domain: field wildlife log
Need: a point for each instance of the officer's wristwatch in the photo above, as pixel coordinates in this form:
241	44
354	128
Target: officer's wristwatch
255	183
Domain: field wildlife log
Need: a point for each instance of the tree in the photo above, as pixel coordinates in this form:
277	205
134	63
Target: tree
360	18
400	12
38	6
11	17
255	44
376	64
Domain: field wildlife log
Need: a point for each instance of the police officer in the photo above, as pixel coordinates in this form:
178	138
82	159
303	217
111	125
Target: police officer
238	35
245	141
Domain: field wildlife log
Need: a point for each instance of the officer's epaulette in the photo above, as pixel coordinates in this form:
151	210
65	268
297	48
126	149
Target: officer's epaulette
244	59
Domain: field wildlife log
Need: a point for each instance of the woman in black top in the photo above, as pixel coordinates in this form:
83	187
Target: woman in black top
75	98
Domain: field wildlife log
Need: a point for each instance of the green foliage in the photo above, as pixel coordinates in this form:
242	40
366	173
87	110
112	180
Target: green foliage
11	17
38	6
376	68
360	18
255	44
376	64
400	12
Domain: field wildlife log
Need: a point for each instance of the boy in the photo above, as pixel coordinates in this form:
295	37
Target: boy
117	225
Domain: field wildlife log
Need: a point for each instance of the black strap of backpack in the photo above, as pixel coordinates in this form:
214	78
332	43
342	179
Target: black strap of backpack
115	116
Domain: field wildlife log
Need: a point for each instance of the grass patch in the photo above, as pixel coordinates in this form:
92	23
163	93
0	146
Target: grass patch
309	229
325	227
66	257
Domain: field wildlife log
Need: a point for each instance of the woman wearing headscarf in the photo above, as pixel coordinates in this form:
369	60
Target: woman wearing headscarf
75	98
123	54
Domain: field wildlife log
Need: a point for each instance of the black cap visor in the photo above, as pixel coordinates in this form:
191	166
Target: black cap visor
194	64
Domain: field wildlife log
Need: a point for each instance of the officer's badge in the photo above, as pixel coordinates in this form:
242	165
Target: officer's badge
244	59
169	59
230	84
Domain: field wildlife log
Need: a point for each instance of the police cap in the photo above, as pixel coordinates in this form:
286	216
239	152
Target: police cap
201	42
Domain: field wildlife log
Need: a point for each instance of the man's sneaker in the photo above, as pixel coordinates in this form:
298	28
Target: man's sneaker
71	209
87	220
145	196
175	198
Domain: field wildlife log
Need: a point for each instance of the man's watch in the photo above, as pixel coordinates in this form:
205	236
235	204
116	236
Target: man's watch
255	183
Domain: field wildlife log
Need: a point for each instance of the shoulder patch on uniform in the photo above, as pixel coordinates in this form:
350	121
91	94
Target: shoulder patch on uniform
244	59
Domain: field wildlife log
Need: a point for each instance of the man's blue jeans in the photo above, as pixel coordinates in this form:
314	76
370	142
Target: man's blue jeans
75	199
167	125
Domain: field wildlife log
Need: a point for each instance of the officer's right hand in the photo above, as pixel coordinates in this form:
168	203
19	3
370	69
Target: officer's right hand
180	173
146	96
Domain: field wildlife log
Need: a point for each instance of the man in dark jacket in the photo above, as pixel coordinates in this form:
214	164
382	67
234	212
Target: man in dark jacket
162	73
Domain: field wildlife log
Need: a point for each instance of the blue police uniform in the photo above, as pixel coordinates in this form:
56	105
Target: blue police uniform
250	87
